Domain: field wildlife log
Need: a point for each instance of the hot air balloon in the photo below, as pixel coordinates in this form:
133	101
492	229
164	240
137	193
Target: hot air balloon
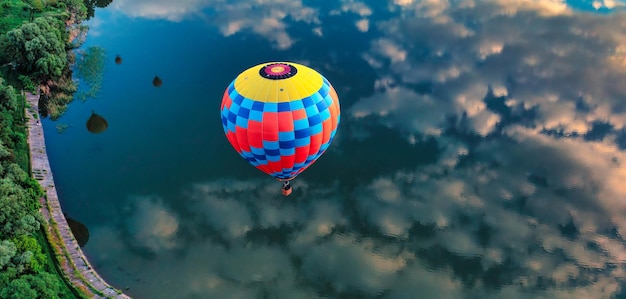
79	230
118	59
280	117
157	81
96	124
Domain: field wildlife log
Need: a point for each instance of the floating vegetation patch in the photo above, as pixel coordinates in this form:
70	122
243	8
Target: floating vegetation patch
61	128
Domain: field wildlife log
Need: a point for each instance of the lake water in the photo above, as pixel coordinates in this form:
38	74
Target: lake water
481	151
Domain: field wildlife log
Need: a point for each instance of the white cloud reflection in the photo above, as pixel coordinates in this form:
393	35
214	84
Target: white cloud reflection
153	226
231	17
554	66
514	228
532	209
160	9
540	205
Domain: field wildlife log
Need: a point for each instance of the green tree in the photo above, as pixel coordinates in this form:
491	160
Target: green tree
36	260
19	289
6	276
37	5
7	252
8	97
27	83
39	52
46	285
8	106
17	216
5	154
6	130
92	4
78	8
15	173
37	48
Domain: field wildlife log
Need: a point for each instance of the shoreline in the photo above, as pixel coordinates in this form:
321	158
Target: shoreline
69	255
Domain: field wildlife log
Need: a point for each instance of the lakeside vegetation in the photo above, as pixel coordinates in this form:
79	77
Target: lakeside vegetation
26	266
36	39
37	50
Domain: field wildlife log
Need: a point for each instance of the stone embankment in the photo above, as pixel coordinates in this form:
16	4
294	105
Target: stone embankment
71	258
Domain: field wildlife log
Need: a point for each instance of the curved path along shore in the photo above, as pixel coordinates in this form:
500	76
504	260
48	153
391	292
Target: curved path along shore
71	258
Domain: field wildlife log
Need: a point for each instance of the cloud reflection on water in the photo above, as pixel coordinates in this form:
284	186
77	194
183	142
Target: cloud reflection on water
522	202
553	67
269	19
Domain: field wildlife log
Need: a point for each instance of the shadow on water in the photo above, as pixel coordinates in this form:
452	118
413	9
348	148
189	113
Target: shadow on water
80	231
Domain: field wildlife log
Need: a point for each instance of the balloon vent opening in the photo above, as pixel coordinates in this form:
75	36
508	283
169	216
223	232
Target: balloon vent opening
278	71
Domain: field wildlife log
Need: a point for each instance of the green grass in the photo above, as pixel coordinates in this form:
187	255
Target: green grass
12	14
10	76
22	158
53	267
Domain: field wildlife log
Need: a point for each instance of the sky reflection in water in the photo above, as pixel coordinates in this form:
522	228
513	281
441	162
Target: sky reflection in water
480	155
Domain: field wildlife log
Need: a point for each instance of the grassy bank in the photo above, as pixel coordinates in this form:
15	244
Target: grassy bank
28	268
28	264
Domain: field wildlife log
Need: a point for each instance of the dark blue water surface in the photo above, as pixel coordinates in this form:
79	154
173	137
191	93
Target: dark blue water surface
481	151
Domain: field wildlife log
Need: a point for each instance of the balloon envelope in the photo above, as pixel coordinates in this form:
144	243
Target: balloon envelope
280	117
96	123
157	82
79	230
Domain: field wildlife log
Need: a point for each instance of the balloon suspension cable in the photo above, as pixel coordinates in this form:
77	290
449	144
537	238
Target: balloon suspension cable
286	189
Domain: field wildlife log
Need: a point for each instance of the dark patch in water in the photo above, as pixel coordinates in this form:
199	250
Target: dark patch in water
157	81
96	124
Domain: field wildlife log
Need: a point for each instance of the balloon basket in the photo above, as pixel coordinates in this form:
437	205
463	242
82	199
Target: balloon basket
286	189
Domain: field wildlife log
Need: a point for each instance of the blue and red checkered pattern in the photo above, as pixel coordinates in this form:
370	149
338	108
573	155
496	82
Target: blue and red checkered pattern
280	135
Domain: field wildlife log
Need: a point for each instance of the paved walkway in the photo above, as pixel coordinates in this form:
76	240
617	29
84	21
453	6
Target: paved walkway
51	210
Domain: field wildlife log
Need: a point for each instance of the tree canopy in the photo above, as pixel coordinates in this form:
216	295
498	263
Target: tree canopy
34	41
23	264
92	4
38	47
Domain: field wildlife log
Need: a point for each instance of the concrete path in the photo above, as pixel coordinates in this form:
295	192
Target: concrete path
75	264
